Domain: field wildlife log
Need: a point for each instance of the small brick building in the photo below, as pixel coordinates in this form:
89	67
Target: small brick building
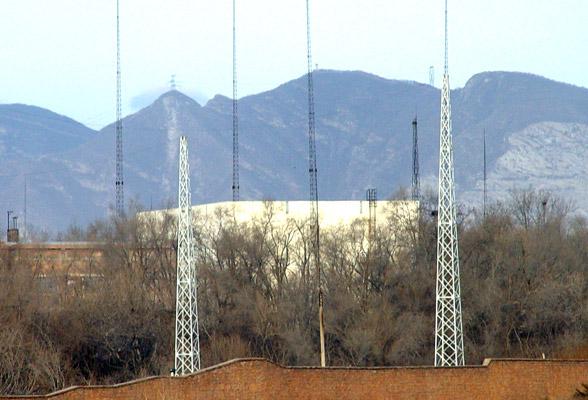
260	379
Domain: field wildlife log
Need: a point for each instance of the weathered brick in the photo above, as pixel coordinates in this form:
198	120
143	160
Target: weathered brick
259	379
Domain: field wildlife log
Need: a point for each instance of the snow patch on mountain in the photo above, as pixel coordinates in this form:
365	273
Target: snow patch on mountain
546	155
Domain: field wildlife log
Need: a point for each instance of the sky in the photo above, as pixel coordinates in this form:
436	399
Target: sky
60	54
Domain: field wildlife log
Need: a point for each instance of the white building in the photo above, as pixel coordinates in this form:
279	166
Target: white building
331	213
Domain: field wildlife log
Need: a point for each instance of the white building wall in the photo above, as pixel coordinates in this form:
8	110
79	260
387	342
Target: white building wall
331	213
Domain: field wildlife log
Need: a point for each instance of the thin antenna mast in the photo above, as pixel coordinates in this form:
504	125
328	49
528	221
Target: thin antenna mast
432	75
446	64
119	185
371	196
416	184
314	217
235	111
485	177
25	229
187	341
448	318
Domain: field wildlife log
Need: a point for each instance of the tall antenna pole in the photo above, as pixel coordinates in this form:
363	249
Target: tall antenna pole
416	184
485	177
314	217
371	196
119	185
432	75
446	64
448	318
25	229
187	346
235	112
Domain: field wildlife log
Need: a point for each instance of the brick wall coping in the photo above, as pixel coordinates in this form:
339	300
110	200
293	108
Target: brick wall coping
486	364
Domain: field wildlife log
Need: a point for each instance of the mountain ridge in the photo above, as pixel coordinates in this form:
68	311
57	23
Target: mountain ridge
363	140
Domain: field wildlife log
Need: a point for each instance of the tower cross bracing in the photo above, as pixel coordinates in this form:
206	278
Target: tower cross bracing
448	317
187	341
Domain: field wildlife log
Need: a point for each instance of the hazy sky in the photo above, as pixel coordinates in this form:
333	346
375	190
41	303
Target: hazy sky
60	54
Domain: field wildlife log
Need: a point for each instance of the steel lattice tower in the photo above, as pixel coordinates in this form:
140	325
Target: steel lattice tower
312	169
416	183
187	347
448	319
235	112
119	184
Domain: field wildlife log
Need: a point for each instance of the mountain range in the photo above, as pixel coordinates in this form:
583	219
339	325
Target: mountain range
536	130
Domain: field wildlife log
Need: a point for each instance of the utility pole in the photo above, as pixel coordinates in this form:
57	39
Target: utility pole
235	111
448	318
119	184
312	169
187	341
416	184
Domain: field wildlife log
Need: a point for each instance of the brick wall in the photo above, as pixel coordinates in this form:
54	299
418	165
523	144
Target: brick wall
260	379
75	258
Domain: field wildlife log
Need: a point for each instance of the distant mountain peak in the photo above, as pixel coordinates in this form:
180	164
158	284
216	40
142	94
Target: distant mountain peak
177	96
506	79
